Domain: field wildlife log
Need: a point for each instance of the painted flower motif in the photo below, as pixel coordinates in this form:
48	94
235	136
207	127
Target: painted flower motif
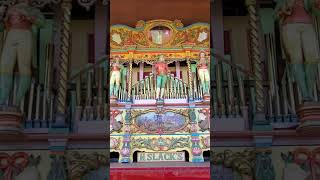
114	143
196	151
125	152
116	38
207	141
202	36
127	128
194	128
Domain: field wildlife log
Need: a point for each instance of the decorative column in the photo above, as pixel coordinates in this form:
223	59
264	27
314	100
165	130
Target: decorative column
66	6
130	80
125	155
190	79
195	139
260	122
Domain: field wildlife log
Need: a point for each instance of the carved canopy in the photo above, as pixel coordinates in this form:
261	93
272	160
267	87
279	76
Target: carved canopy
149	39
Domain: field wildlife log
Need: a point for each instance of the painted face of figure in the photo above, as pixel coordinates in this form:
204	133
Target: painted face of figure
161	58
202	55
117	60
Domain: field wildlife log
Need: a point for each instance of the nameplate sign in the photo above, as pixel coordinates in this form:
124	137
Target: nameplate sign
160	156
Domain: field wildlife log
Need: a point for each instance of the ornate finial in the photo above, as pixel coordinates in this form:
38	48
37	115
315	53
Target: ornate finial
140	24
178	23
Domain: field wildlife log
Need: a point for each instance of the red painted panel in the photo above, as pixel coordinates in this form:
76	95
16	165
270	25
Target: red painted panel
161	173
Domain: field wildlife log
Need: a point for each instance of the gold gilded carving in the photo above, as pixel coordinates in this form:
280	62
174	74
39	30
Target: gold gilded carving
160	34
80	164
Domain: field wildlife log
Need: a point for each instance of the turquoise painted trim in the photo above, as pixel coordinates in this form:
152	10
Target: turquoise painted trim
197	159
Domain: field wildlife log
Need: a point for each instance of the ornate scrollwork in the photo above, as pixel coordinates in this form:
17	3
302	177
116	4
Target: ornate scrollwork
241	162
80	164
160	144
174	35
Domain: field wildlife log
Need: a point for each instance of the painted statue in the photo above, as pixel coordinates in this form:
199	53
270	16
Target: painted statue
17	49
115	77
162	72
203	72
300	41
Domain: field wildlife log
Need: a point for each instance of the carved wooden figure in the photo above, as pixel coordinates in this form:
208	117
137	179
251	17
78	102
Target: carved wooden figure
300	41
17	49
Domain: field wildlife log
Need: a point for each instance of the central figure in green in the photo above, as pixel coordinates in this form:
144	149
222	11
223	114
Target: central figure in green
162	71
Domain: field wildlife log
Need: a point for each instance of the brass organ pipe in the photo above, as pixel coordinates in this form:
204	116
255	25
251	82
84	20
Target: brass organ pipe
78	89
241	88
291	95
273	50
285	99
299	96
168	87
147	86
13	93
185	90
100	101
315	93
231	91
22	104
270	73
175	92
171	87
144	89
89	89
30	102
38	102
152	88
219	86
44	106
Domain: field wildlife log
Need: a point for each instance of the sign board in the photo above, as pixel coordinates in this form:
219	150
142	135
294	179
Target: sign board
160	156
